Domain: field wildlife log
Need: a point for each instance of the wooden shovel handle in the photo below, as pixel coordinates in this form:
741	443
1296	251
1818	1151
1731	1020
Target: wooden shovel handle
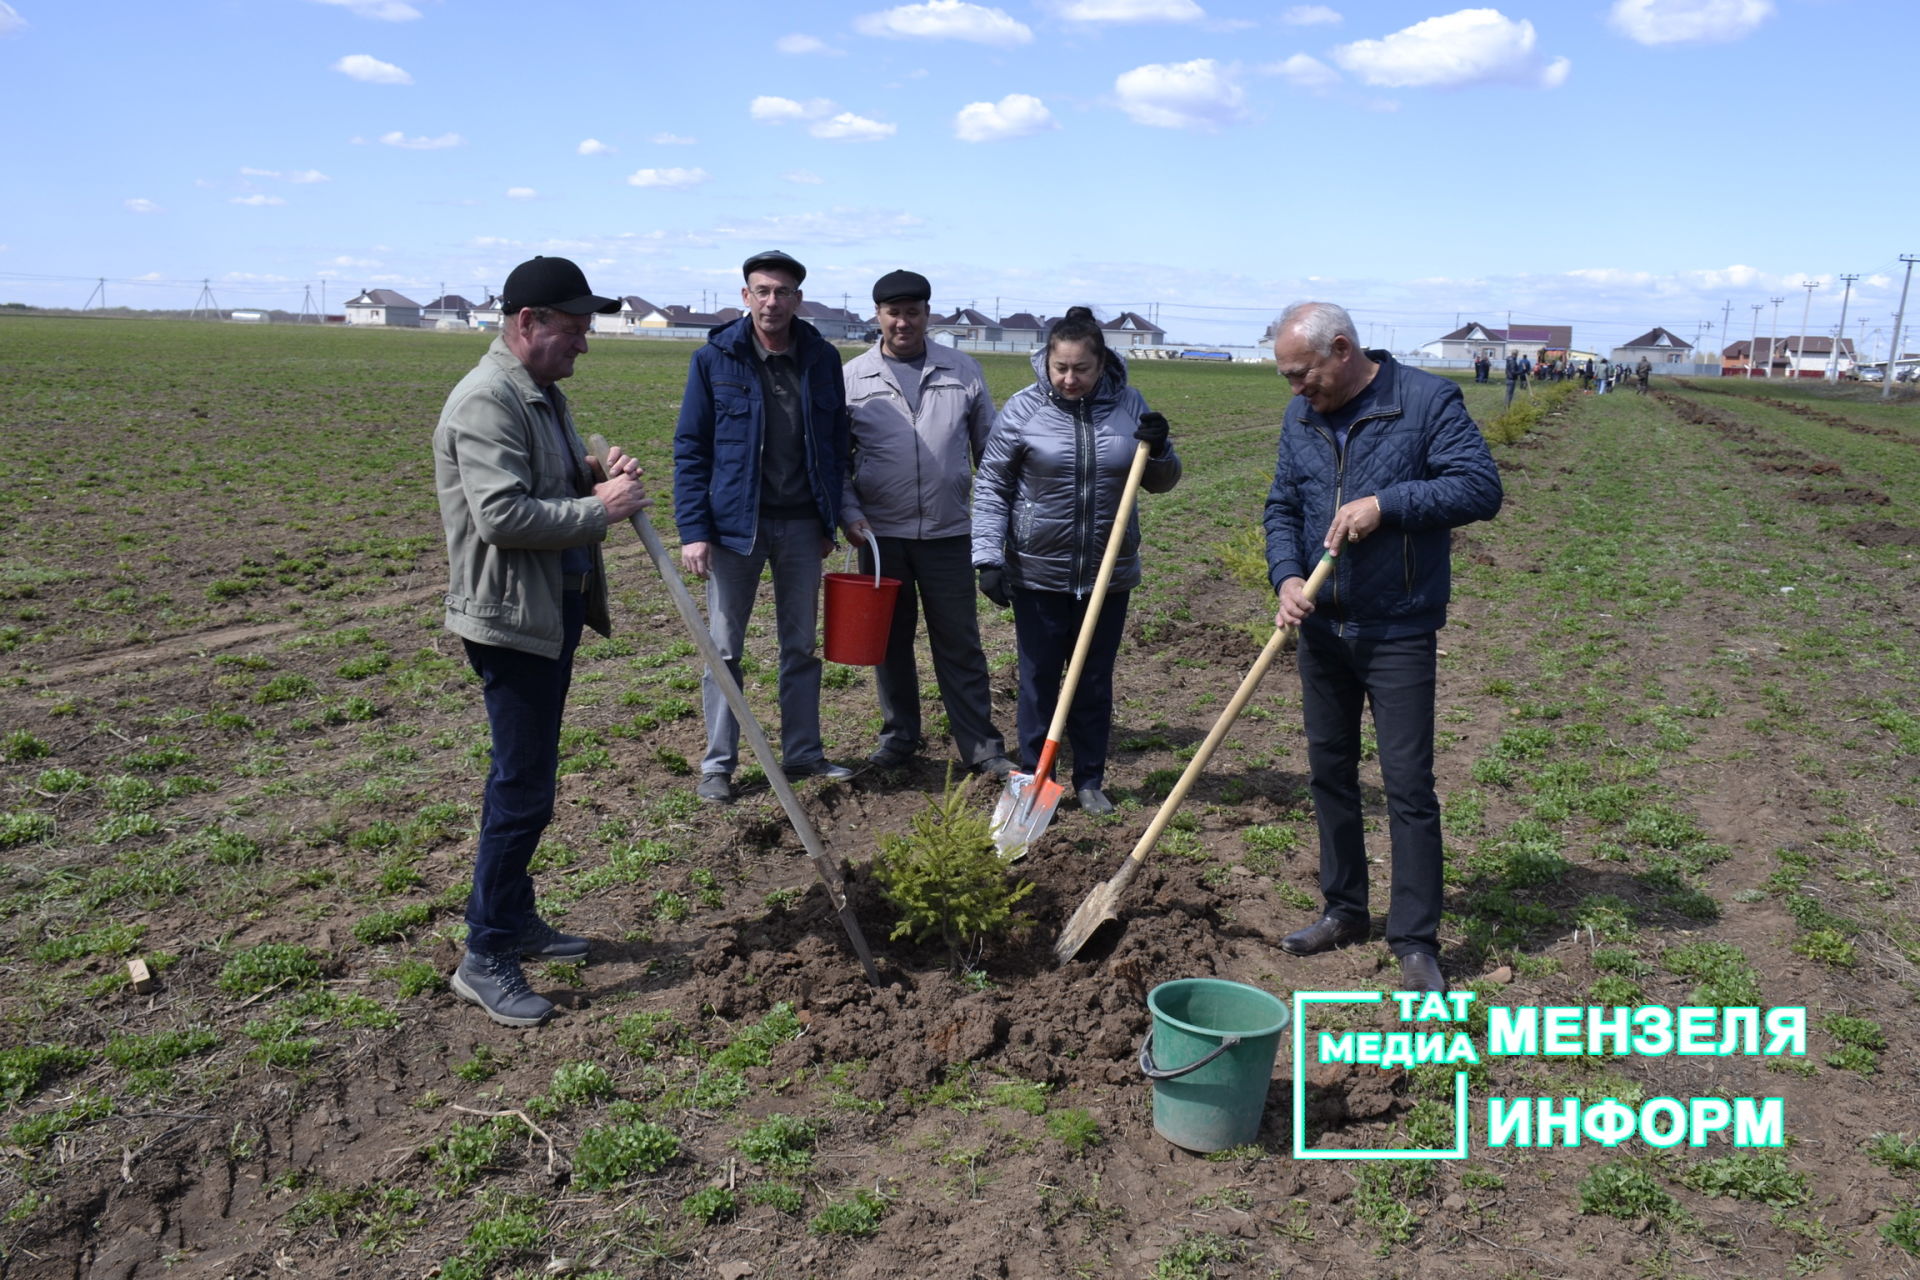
1235	705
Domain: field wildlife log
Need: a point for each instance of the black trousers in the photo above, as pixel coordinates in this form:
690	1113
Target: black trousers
1395	677
936	575
1046	625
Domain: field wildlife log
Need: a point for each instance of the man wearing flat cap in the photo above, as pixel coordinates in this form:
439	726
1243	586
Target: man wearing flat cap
758	458
524	518
921	413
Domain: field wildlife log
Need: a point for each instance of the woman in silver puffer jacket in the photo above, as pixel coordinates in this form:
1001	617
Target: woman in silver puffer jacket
1044	500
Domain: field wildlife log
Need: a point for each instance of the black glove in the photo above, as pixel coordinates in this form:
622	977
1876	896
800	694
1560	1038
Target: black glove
1152	431
993	585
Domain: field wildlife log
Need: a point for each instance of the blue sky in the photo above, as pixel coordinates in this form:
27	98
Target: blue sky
1614	164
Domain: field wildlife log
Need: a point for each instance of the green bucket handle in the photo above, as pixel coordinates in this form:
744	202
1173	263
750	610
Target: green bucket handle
1153	1072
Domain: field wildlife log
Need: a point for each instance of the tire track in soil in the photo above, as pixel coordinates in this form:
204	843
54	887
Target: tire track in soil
1734	428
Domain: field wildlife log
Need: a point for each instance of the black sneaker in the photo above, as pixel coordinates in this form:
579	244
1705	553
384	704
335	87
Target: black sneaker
541	941
1094	802
891	756
715	788
822	768
495	983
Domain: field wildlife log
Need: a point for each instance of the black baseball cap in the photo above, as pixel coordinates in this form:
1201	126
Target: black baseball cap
901	286
778	261
552	282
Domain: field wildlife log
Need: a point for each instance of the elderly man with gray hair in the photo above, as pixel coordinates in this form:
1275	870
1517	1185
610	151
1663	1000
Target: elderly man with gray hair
1378	462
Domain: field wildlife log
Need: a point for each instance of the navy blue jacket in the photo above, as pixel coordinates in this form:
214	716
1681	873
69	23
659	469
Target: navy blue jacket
717	443
1426	461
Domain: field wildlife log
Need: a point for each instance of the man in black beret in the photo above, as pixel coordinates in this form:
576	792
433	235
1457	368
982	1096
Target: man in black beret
921	413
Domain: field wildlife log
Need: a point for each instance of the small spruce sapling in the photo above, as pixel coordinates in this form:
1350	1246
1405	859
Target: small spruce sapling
946	878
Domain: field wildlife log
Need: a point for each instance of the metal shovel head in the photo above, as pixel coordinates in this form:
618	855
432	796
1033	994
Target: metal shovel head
1098	908
1024	810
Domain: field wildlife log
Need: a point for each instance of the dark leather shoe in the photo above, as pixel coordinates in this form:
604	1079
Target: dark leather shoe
1094	802
1421	972
891	756
1324	934
996	767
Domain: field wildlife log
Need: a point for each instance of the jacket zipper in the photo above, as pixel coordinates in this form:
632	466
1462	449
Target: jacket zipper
1339	488
1084	460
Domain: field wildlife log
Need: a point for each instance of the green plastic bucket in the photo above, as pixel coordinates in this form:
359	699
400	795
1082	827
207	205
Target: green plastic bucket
1210	1056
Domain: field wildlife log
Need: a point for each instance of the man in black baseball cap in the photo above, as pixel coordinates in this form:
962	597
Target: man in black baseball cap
920	416
524	517
554	283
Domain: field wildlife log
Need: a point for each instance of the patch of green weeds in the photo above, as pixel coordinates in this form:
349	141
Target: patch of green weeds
1378	1201
1894	1151
287	687
1029	1096
132	1052
1902	1230
857	1216
392	924
1828	947
1750	1175
36	1131
24	826
783	1196
277	1041
1075	1129
669	907
780	1142
20	746
270	964
1725	976
575	1084
493	1240
107	940
1860	1042
646	1035
614	1154
714	1204
753	1045
470	1149
1626	1189
1193	1258
413	978
480	1068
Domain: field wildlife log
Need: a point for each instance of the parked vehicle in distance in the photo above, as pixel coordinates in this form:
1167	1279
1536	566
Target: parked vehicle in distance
1869	375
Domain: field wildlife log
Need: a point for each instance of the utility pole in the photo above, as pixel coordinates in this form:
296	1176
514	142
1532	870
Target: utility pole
1753	343
1700	332
99	291
323	304
1833	366
1793	370
1726	322
1773	343
205	300
1893	351
306	305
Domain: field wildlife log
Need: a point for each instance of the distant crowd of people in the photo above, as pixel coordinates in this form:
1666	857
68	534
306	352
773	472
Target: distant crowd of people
1597	376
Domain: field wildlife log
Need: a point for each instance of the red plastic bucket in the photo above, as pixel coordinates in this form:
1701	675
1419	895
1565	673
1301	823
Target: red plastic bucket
860	615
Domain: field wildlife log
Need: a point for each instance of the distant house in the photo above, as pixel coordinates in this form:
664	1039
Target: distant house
966	325
1784	359
1130	329
836	324
383	307
487	314
248	316
1534	341
634	313
449	312
684	322
1023	327
1659	346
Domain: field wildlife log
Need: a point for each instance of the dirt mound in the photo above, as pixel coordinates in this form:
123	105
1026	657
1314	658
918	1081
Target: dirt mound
1838	497
1882	533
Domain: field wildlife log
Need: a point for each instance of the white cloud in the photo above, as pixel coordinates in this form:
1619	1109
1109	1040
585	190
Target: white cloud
798	43
670	179
140	204
148	275
366	67
594	147
10	21
344	261
380	10
1473	46
441	143
946	20
1310	15
1687	21
259	173
308	176
671	140
1304	71
522	193
838	226
803	177
771	110
253	277
257	200
1131	11
848	127
1200	94
1014	116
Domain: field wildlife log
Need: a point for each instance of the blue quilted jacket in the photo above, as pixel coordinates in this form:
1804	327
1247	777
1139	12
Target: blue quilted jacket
1426	461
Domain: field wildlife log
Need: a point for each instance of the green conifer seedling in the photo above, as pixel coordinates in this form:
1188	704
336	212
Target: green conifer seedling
946	878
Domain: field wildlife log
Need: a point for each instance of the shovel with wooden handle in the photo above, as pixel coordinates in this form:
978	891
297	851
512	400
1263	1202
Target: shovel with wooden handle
1099	906
1027	804
755	735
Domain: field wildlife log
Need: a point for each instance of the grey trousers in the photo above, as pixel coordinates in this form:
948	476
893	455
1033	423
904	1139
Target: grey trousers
936	574
792	547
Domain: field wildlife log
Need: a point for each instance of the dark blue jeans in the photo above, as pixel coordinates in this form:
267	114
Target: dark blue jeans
1397	678
1046	624
525	696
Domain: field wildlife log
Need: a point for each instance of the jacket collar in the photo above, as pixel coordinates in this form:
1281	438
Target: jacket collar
736	338
516	373
1384	389
1113	379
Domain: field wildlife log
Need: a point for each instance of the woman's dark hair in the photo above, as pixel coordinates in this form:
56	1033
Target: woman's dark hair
1078	325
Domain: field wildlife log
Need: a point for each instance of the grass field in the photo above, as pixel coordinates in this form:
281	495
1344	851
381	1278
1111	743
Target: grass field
1679	756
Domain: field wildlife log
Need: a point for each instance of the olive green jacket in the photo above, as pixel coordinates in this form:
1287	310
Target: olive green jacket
507	503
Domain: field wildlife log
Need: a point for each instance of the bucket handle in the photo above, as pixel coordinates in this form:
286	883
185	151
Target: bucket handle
1153	1072
846	564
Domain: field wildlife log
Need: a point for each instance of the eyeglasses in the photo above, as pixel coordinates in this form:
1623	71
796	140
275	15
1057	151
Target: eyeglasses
765	294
